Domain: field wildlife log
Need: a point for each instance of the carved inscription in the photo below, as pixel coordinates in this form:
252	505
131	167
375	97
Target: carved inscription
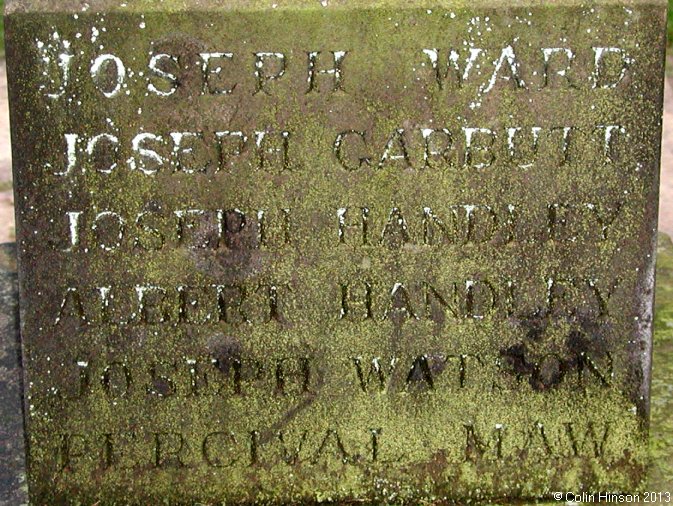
225	449
354	300
226	375
189	152
232	229
397	249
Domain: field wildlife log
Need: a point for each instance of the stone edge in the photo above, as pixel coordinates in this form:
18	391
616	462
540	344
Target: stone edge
144	6
13	483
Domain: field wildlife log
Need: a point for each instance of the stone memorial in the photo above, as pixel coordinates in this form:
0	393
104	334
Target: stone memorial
12	450
335	251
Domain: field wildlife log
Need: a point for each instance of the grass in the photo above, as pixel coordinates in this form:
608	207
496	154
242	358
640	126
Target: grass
664	295
670	23
661	440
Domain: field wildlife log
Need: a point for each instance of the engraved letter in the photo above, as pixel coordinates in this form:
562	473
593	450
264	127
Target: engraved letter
117	230
524	154
446	153
338	450
281	152
362	224
72	447
602	67
260	70
507	55
73	222
167	449
592	444
219	443
63	51
99	71
146	154
71	306
548	53
472	148
299	368
454	57
227	152
609	149
71	141
349	302
336	71
396	139
208	73
151	304
187	157
377	372
155	61
339	150
116	380
420	375
400	304
152	239
395	232
475	446
110	139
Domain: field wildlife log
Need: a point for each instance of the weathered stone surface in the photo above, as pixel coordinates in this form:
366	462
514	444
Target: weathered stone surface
659	474
344	252
13	489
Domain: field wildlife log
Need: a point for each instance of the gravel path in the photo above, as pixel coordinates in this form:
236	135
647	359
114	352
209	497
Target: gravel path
666	186
6	196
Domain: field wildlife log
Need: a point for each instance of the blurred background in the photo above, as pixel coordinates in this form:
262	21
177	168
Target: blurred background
6	197
7	230
666	196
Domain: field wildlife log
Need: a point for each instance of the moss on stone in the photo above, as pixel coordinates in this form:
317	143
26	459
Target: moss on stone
425	452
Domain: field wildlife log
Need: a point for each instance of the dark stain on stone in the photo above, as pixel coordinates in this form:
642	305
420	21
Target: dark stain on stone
162	387
514	360
546	369
226	352
188	68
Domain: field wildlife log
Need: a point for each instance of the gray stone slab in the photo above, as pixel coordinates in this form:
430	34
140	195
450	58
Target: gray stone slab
13	485
660	477
337	251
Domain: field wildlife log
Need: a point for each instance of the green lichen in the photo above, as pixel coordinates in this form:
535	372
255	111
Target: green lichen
661	432
425	451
